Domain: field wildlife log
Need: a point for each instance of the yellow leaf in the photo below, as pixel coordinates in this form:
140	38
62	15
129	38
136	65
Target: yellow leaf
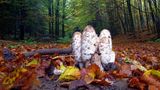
153	72
56	57
62	67
2	75
23	70
156	73
70	73
33	62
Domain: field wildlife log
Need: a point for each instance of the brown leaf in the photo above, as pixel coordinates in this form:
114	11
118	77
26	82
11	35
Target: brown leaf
125	69
149	79
152	87
94	74
101	82
69	60
93	68
118	74
133	82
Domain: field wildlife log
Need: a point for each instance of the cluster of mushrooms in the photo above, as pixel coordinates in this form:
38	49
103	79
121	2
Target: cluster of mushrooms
88	48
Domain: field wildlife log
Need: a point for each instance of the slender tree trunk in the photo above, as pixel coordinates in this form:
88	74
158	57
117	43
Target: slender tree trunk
63	18
140	13
147	16
125	18
97	16
120	18
152	15
136	18
22	16
15	33
52	22
16	25
157	17
57	19
132	28
50	13
21	32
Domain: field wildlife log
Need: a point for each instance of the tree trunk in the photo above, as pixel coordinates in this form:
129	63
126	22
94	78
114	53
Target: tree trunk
126	18
140	13
52	22
152	15
120	18
63	18
21	32
157	17
132	28
147	16
50	13
22	16
98	16
57	19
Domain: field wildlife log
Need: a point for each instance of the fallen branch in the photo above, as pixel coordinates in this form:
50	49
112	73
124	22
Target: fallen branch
8	55
49	51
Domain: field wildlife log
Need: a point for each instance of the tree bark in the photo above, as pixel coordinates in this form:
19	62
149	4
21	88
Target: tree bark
141	14
21	32
152	15
125	18
57	19
63	18
147	16
50	13
22	16
132	28
49	51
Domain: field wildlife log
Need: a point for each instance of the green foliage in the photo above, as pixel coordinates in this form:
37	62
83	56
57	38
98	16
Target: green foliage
65	39
157	40
29	41
12	46
154	40
40	17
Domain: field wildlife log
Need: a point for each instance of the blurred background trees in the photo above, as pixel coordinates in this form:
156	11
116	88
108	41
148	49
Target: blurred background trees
24	19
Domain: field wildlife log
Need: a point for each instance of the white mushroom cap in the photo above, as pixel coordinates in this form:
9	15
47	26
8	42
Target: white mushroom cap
106	33
112	55
105	47
76	46
89	42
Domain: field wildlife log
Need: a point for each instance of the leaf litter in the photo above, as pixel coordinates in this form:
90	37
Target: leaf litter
137	67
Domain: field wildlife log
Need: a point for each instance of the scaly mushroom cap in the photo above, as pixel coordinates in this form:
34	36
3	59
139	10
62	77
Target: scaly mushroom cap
89	43
76	46
105	47
106	33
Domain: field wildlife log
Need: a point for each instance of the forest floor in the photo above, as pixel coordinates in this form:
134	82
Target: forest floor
137	66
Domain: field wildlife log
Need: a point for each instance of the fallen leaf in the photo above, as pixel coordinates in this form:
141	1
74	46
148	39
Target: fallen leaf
133	82
118	74
70	73
94	74
101	82
152	87
33	63
151	80
153	72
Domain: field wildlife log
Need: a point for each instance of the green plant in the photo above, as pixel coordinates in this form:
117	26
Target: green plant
157	40
29	41
154	40
65	39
